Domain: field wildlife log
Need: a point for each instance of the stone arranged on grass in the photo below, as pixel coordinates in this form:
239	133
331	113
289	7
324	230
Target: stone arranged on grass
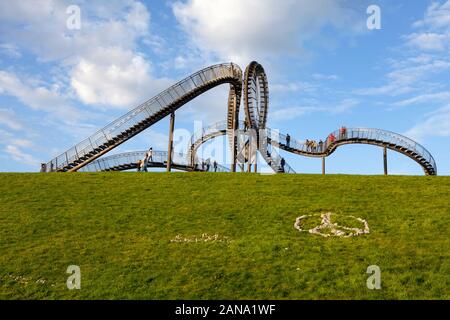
327	228
203	238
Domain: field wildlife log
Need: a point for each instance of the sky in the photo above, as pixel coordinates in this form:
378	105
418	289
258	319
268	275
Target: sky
61	81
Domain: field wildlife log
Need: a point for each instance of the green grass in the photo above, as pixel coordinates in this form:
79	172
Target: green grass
117	227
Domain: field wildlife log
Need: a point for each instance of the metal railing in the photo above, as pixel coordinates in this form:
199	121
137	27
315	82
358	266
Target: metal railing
205	133
275	161
220	128
129	160
362	135
323	148
271	155
112	131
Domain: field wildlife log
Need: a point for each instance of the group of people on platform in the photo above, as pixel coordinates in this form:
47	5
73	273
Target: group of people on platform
206	165
142	165
314	146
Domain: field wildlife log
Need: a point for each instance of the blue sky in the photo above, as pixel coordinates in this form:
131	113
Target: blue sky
325	69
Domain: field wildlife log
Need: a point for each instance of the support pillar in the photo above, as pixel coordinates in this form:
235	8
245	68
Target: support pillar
170	148
323	165
257	145
249	157
385	160
252	159
233	151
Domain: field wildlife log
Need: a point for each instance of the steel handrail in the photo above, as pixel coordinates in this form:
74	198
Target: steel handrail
130	159
144	111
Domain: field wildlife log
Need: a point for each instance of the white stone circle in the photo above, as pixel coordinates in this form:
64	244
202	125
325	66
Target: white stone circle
335	230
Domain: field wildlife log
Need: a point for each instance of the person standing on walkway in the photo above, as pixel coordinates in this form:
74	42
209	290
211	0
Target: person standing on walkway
320	145
283	162
331	138
215	165
314	145
288	140
342	132
150	154
148	157
144	163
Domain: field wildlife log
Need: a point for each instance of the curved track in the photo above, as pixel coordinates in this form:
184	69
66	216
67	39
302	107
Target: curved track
244	143
256	95
151	112
245	140
377	137
129	160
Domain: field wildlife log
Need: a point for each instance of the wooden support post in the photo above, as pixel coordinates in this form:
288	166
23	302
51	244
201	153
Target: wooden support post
252	159
255	169
385	161
233	156
170	148
323	165
233	151
249	157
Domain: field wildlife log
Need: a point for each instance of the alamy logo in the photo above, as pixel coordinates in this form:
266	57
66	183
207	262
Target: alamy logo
74	280
374	20
73	22
374	280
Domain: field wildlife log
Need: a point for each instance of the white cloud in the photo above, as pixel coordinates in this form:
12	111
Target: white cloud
436	123
25	143
9	119
407	75
38	96
343	106
292	87
19	155
437	16
101	59
114	77
320	77
10	50
209	107
424	55
15	137
428	41
435	33
102	65
424	98
243	30
292	112
42	29
138	18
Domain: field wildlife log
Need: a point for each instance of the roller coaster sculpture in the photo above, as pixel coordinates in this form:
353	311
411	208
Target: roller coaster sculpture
246	138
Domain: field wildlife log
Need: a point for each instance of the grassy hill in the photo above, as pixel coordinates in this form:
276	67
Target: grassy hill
118	228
